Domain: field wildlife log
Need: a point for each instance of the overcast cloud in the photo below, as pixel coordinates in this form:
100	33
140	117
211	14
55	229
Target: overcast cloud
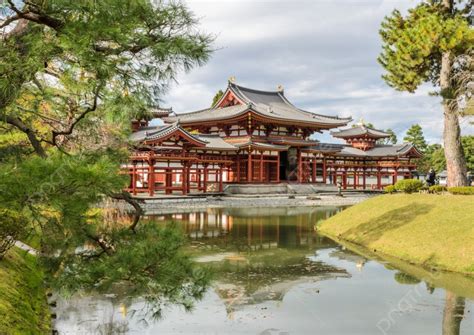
324	53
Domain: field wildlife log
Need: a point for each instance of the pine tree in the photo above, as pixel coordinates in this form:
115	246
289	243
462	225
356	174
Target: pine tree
72	74
434	43
217	97
415	136
392	139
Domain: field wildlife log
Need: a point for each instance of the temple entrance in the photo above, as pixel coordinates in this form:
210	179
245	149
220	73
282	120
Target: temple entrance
288	165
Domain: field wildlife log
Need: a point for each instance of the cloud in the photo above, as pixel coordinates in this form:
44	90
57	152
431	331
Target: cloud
323	52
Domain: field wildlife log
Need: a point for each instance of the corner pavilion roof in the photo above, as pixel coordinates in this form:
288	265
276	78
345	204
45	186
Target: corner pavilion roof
398	150
360	131
271	105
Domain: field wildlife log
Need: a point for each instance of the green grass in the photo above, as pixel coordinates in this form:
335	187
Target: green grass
23	306
426	229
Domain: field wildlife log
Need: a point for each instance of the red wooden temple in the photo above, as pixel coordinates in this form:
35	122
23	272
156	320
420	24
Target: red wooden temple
259	137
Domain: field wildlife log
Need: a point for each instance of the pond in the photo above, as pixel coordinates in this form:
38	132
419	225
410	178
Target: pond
274	274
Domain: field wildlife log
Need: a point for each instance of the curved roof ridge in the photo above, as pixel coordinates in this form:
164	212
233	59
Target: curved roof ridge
254	90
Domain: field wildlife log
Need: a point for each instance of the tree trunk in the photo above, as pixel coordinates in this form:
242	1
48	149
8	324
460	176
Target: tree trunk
453	314
453	151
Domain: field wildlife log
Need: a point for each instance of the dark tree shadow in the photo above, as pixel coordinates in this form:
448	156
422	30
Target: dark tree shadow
372	230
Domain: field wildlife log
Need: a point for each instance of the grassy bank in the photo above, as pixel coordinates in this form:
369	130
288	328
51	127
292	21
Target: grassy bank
23	306
430	230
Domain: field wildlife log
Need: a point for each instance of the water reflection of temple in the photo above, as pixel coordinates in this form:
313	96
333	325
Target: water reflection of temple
252	228
258	254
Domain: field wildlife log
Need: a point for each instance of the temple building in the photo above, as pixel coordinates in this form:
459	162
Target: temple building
259	137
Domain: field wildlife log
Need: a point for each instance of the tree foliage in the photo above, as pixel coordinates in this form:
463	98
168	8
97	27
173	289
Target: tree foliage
217	97
392	139
72	75
413	44
415	136
434	43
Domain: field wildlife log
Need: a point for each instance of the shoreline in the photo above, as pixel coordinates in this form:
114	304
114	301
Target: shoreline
457	282
410	228
183	205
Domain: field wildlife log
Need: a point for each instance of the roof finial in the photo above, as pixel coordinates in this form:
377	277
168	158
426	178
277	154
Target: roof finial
232	79
361	122
280	88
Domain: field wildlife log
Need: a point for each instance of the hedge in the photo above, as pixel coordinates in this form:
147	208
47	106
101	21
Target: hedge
389	189
462	190
408	185
438	189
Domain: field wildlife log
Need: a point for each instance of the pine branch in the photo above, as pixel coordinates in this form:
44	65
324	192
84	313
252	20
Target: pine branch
81	116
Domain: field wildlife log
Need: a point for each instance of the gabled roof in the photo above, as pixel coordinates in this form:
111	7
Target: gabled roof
360	131
163	132
205	142
267	104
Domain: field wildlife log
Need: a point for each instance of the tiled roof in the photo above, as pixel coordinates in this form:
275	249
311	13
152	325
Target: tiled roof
360	131
153	133
260	145
272	105
378	151
216	142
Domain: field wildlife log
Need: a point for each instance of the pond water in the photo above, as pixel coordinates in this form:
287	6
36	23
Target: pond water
275	275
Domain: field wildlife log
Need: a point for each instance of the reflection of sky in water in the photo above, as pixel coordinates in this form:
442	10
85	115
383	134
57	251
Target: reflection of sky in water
275	275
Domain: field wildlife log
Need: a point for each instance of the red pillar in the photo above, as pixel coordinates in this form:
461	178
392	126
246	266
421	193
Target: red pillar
188	178
356	178
134	179
364	181
324	171
261	167
278	168
394	176
334	177
238	168
168	180
183	179
198	177
221	188
314	169
151	177
249	167
205	177
300	166
379	179
344	178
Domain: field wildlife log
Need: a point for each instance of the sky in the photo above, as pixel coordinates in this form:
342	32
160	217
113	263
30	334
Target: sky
323	52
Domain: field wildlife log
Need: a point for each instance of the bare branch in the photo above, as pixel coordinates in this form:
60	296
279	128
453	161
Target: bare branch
81	116
138	209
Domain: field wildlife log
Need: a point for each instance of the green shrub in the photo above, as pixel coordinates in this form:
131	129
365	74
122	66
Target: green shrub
12	227
438	189
462	190
408	185
389	189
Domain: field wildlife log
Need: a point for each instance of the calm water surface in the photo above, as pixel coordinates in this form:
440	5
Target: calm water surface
276	275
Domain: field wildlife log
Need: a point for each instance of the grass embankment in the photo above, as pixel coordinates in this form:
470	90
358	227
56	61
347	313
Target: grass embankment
430	230
23	305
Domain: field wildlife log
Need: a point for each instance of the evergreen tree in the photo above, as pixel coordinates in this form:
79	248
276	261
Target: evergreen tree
217	97
434	43
392	139
415	136
72	74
